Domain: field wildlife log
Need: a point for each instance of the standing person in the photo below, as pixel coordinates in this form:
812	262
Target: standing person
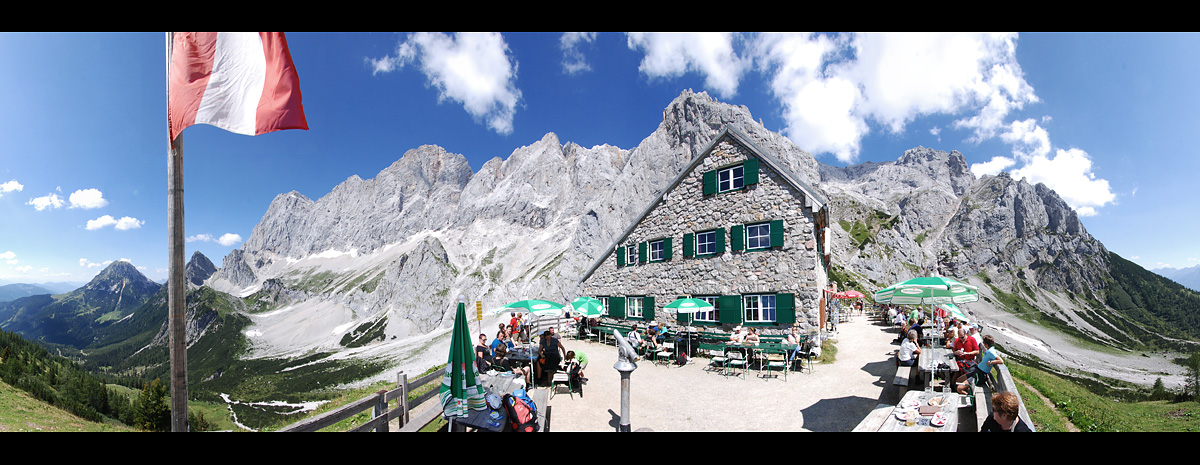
1004	419
549	356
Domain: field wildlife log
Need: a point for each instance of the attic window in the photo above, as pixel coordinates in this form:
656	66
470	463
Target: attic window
731	178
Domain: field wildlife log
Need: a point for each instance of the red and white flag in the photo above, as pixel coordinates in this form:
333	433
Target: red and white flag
243	82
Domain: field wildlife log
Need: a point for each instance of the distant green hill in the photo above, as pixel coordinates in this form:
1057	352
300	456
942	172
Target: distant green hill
1154	302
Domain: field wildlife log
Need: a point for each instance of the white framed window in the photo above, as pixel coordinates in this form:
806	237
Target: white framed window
706	243
633	307
758	236
656	250
604	302
731	178
709	316
759	308
631	255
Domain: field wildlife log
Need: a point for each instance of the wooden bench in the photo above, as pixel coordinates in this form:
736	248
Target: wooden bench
903	377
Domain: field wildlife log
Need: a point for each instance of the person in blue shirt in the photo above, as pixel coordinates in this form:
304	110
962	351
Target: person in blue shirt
987	360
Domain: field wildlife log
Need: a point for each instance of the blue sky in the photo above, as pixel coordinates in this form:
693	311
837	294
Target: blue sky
1107	120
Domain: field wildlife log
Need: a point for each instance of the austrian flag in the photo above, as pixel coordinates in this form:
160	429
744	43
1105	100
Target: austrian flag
243	82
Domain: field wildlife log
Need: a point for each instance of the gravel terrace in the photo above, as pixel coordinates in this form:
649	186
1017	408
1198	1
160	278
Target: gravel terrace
833	397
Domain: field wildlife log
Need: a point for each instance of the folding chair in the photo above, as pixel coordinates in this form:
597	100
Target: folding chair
735	359
665	352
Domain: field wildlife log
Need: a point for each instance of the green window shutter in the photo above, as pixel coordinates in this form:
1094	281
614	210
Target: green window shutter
689	245
648	308
777	233
737	237
667	249
620	257
750	171
785	309
710	182
616	307
719	237
641	252
731	309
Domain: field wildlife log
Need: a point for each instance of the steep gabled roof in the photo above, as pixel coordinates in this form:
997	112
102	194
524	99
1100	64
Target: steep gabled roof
812	199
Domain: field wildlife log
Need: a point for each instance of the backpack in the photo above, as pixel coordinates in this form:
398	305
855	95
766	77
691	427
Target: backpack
681	359
522	416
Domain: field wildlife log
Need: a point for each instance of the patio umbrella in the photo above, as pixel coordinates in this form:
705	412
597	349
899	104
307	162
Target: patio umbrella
848	295
884	296
460	389
587	307
534	306
689	306
954	312
932	290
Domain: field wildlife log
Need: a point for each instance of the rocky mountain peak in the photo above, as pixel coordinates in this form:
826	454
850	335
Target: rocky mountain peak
119	275
198	269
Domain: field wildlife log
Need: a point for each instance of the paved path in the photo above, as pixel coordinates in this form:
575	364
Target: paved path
833	397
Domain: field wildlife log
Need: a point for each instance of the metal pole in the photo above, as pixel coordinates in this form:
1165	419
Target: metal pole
175	283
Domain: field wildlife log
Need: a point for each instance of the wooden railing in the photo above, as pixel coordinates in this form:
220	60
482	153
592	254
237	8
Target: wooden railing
378	404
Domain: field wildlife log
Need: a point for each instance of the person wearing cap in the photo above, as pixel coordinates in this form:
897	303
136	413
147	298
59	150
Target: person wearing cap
736	336
1004	419
977	371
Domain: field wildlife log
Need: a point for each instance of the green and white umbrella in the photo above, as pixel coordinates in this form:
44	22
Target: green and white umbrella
587	307
460	389
955	312
932	290
689	306
534	306
884	296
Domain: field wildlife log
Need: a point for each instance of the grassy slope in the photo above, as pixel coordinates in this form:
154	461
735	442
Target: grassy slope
21	412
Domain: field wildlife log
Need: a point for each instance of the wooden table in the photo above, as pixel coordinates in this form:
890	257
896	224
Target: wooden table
936	359
500	385
923	423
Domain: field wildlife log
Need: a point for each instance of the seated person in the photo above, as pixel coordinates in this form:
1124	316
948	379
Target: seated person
1005	408
976	371
500	362
795	338
752	338
635	339
907	355
483	355
579	361
737	336
652	340
660	333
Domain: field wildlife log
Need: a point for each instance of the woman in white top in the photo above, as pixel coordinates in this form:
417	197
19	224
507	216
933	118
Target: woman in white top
908	350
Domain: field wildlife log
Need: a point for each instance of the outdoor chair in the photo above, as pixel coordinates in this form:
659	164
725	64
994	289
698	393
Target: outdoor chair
562	379
716	355
665	352
774	356
736	359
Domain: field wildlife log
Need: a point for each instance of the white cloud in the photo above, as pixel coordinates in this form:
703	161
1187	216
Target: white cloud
671	55
85	262
87	198
200	237
125	223
1069	173
226	239
24	269
106	220
1027	138
573	60
12	262
47	201
993	167
11	186
229	239
8	255
471	68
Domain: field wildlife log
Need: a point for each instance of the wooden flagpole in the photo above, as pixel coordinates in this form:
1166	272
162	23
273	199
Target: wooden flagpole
175	284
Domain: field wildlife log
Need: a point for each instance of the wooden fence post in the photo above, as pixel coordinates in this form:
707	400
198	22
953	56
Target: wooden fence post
403	385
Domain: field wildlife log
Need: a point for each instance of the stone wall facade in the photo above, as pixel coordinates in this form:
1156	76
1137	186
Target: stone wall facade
793	268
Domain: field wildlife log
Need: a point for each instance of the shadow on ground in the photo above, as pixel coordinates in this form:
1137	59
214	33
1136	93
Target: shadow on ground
828	415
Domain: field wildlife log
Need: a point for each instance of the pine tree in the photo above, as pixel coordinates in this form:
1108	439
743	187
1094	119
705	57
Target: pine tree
151	411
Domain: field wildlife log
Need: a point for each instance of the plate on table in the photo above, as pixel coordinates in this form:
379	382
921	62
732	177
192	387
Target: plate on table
911	404
938	401
903	414
939	419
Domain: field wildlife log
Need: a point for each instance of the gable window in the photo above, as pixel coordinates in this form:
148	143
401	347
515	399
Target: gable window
759	308
758	236
633	307
731	178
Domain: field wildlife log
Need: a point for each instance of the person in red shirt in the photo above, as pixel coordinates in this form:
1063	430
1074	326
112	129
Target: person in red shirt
965	350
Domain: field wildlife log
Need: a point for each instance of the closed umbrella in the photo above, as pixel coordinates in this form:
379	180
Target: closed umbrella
460	389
